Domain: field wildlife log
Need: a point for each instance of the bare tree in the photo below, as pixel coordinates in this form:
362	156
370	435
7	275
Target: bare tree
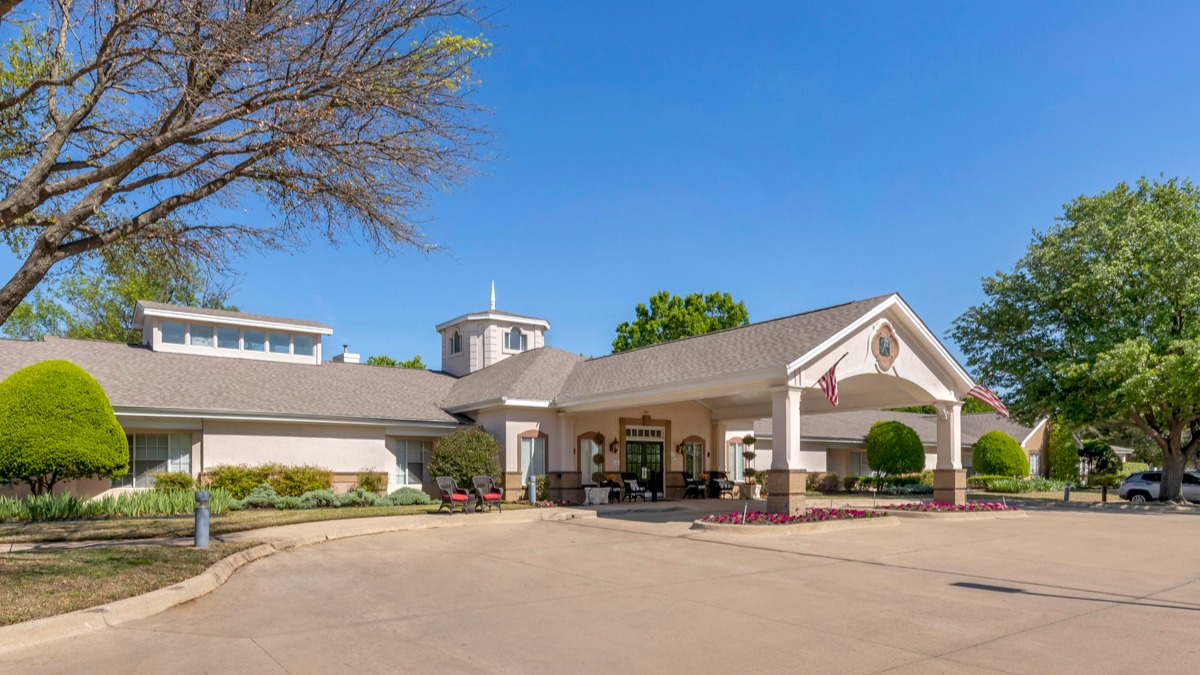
127	120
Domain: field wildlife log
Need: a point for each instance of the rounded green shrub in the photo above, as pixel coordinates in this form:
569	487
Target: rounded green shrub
174	481
293	481
894	448
56	423
464	454
997	453
319	499
261	497
239	479
407	496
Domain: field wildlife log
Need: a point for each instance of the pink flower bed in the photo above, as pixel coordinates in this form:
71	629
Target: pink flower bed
810	516
935	507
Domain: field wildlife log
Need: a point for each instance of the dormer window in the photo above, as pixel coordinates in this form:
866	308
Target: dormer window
173	332
455	342
516	340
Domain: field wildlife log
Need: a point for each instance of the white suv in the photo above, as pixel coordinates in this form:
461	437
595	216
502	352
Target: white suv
1143	486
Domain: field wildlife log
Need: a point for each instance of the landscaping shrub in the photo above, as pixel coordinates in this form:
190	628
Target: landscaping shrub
1063	456
464	454
823	482
850	483
926	478
1130	468
543	488
407	496
261	497
289	502
56	423
372	481
319	499
894	448
1016	485
54	507
239	479
1000	454
360	498
169	481
293	481
126	504
1100	457
1105	480
981	481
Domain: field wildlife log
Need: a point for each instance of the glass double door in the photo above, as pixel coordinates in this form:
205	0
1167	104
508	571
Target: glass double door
646	455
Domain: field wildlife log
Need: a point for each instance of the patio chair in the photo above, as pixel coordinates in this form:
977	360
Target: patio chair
452	495
692	487
489	493
614	489
721	484
633	489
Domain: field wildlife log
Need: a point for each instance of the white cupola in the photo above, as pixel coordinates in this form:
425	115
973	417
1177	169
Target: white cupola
477	340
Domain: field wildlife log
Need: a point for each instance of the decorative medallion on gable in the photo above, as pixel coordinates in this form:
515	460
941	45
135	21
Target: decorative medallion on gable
885	346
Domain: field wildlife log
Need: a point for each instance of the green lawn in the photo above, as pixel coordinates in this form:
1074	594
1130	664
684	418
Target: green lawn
181	526
45	583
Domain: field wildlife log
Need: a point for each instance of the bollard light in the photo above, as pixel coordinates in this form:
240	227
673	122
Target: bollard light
202	519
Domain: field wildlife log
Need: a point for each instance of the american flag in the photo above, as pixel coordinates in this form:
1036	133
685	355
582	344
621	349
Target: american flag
987	396
828	384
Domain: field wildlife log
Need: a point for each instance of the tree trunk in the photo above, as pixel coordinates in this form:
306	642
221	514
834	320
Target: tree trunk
34	269
1174	464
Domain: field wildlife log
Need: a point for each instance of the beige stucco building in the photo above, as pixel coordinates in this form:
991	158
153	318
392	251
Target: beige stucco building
209	387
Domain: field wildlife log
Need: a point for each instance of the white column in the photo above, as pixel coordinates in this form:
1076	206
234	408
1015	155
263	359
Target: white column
720	448
949	435
566	444
785	430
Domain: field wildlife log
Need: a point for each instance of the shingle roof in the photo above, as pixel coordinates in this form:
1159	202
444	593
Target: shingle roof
768	344
226	314
854	425
134	376
537	374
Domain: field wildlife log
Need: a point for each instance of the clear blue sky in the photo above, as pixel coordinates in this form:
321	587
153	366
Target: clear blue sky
794	154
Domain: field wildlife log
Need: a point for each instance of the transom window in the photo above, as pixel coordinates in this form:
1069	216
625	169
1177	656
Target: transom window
644	432
150	454
516	340
455	342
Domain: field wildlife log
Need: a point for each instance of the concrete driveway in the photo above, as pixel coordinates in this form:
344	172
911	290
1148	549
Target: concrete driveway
634	592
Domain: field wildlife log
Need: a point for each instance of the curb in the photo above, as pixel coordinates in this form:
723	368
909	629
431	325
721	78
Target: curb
799	528
84	621
953	515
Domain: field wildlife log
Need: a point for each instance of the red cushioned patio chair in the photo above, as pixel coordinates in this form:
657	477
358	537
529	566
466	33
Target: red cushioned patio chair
452	495
489	494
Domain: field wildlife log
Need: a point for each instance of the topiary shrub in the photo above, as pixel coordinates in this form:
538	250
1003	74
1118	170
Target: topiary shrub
464	454
174	481
319	499
293	481
407	496
999	454
56	423
894	448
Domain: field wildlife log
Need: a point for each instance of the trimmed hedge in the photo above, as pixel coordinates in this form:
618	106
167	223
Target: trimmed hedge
56	423
464	454
894	448
997	453
287	481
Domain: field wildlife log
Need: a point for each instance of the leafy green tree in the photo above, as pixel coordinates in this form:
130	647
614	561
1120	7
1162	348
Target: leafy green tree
1062	453
1100	457
56	423
670	317
1100	320
96	299
971	406
414	363
893	448
464	454
998	454
340	117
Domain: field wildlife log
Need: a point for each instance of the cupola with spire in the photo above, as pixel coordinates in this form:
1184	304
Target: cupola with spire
477	340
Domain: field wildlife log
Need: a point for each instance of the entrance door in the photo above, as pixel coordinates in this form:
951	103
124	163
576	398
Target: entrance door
648	455
533	458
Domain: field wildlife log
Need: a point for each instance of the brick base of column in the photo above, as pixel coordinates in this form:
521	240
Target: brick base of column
950	486
785	491
514	491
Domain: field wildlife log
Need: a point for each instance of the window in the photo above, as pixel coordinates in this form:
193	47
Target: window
588	449
533	457
693	458
858	464
254	340
173	332
227	338
154	453
516	340
202	336
455	342
411	458
737	463
302	345
280	344
1033	464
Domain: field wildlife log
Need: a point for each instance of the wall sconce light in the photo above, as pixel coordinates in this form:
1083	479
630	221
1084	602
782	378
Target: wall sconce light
680	448
614	446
